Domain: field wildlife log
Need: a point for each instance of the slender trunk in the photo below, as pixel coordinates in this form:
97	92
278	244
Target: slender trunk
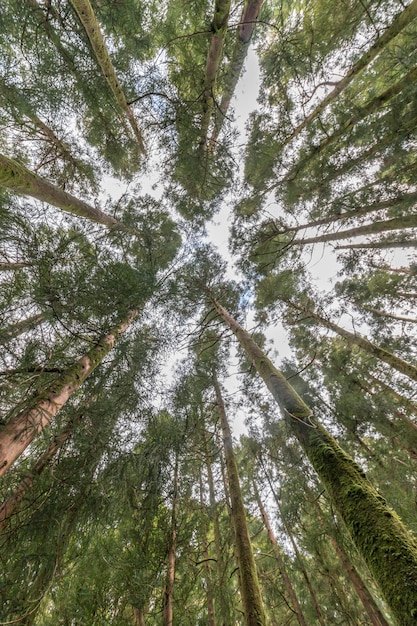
354	213
396	223
209	582
362	113
379	244
139	617
13	503
15	176
380	353
224	609
296	607
389	550
410	406
244	34
398	24
219	27
90	23
249	587
167	609
296	550
4	267
18	328
369	604
379	313
20	431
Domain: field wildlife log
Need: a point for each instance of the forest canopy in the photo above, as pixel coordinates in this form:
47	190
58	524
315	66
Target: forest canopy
134	346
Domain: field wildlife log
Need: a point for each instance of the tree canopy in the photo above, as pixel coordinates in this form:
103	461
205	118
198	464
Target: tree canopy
192	435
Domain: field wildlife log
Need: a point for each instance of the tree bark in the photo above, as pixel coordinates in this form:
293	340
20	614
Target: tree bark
18	178
13	503
389	550
244	34
209	582
4	267
219	27
379	244
18	328
398	24
167	608
249	584
280	560
20	431
380	353
90	23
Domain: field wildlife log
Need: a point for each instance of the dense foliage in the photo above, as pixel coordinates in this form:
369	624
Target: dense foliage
125	499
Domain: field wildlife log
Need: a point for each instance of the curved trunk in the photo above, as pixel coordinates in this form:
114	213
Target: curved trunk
389	550
249	584
89	21
20	431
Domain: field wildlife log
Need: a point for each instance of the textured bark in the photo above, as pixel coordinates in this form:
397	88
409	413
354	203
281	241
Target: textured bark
389	550
167	608
244	34
296	607
249	585
399	23
369	604
219	27
16	177
18	328
20	431
371	348
396	223
89	21
12	505
139	617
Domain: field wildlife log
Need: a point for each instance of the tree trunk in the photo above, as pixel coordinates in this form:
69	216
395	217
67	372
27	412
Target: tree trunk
398	24
377	245
296	550
4	267
15	176
167	609
389	550
89	21
139	617
209	582
219	27
280	560
249	584
396	223
361	113
244	34
369	604
380	353
223	608
391	316
18	328
13	503
20	431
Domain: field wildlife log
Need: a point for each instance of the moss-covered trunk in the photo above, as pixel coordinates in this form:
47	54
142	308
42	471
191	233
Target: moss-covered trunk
389	550
16	177
249	584
296	607
20	431
90	23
